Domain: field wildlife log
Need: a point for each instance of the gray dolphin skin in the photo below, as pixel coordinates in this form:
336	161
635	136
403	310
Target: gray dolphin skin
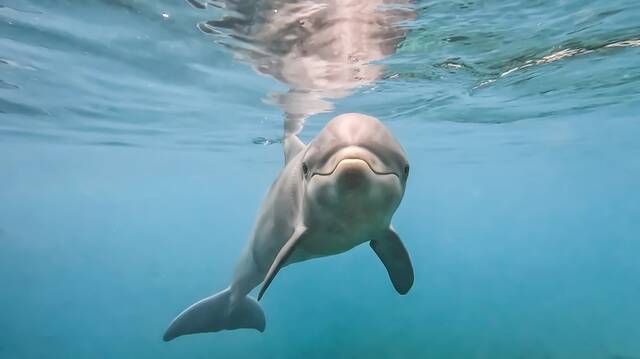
337	192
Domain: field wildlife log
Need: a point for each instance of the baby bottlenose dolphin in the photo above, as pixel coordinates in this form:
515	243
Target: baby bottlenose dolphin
333	194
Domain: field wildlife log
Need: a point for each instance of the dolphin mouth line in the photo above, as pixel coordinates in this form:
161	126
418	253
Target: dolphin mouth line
354	158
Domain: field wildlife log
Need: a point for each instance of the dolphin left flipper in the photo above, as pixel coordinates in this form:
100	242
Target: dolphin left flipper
395	258
282	257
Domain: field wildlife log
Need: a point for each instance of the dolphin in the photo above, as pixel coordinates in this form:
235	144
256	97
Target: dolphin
335	193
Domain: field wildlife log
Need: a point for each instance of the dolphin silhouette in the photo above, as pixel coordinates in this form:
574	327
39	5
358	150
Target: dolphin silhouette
335	193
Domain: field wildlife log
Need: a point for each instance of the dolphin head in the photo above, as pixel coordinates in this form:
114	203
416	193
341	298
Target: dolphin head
355	168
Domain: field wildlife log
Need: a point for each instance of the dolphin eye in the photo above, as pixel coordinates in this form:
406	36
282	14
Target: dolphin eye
305	169
406	170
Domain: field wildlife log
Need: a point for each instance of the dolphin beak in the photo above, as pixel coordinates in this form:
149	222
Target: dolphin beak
352	173
354	159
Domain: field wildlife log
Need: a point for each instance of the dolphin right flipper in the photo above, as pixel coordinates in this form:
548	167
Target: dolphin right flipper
395	258
282	257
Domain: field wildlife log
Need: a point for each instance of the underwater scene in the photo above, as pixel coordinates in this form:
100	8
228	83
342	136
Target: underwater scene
320	179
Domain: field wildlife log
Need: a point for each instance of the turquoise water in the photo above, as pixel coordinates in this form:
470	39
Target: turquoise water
136	145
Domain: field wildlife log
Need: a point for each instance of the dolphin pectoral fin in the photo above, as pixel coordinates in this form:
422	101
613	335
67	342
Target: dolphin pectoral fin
395	258
281	258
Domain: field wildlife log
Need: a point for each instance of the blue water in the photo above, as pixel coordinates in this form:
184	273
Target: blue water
135	149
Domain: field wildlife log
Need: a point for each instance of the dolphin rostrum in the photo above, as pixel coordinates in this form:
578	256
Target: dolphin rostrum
322	50
333	194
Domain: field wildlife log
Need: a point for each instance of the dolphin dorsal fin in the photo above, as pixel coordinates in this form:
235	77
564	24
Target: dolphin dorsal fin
292	146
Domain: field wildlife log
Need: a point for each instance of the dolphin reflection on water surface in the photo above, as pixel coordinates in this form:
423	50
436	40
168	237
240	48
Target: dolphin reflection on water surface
342	188
321	49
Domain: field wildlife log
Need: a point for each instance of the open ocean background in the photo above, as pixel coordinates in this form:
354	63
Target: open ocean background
135	150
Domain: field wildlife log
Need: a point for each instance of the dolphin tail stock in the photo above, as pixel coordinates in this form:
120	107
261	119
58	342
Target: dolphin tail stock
215	313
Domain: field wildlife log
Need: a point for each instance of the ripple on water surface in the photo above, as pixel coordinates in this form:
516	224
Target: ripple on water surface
68	75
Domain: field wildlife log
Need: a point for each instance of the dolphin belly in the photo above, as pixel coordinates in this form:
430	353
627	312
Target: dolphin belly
329	242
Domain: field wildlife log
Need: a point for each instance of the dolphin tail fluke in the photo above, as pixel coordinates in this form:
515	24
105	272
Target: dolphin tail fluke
217	313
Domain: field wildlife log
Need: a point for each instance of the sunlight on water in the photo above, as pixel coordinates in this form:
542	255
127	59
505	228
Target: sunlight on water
138	138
